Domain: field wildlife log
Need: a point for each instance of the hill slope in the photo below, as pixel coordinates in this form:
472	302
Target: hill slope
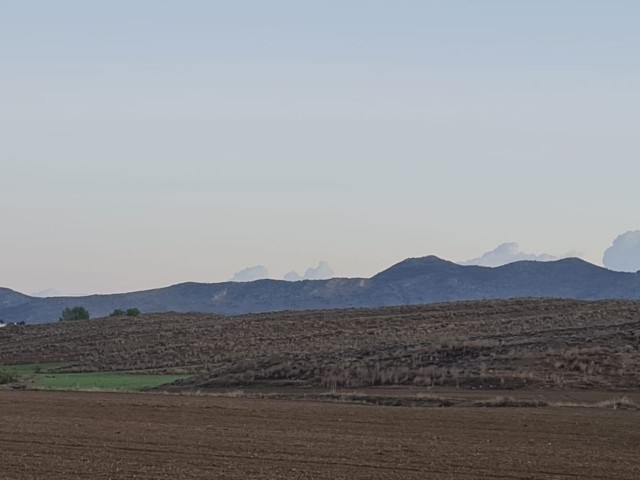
412	281
523	343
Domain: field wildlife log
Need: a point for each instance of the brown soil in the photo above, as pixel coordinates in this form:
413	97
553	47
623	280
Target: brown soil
120	436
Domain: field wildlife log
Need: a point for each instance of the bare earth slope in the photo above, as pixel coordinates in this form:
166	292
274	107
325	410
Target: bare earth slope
498	344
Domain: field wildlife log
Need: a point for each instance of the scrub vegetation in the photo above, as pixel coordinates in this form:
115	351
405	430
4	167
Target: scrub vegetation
499	344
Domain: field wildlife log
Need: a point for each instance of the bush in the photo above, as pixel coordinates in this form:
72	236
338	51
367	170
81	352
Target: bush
133	312
6	377
510	402
75	313
117	313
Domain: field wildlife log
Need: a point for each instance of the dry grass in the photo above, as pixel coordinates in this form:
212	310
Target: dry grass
617	403
489	345
501	401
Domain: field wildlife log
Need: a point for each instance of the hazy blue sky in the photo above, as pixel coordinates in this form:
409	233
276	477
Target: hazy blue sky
144	143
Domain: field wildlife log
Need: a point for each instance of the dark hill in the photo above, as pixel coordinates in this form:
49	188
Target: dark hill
412	281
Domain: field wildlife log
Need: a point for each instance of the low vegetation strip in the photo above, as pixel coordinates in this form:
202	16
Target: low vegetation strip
47	376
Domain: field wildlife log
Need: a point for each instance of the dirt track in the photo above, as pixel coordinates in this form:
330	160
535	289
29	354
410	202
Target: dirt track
108	436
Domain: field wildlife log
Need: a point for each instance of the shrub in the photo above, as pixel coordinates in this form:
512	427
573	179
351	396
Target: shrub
75	313
133	312
6	377
624	403
117	313
510	402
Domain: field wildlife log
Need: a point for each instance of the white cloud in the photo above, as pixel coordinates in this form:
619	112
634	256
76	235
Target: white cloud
624	254
292	276
249	274
322	272
506	253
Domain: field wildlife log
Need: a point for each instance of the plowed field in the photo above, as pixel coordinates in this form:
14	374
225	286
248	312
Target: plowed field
63	435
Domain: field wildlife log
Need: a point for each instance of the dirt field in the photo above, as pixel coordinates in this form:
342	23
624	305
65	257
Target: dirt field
59	435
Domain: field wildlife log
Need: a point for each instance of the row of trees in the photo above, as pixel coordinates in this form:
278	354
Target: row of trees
75	313
81	313
129	312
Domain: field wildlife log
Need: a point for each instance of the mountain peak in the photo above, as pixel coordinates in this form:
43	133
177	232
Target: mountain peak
414	280
570	263
414	267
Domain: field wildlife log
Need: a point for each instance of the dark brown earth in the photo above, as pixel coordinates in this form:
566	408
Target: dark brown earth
58	435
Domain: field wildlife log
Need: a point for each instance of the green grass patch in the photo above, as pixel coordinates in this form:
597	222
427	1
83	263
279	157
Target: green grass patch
118	381
6	376
45	376
28	370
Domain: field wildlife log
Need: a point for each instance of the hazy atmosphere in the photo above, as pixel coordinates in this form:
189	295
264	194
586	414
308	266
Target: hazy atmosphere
146	143
319	240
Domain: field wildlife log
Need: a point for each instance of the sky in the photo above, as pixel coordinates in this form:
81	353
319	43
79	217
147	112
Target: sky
145	143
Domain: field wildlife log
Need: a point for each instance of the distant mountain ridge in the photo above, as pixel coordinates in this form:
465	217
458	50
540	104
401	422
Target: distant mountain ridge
412	281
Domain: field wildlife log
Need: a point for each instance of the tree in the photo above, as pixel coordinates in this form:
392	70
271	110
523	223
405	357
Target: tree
133	312
75	313
117	313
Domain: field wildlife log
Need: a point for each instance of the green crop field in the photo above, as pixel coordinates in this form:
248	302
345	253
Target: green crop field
103	381
30	369
45	376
